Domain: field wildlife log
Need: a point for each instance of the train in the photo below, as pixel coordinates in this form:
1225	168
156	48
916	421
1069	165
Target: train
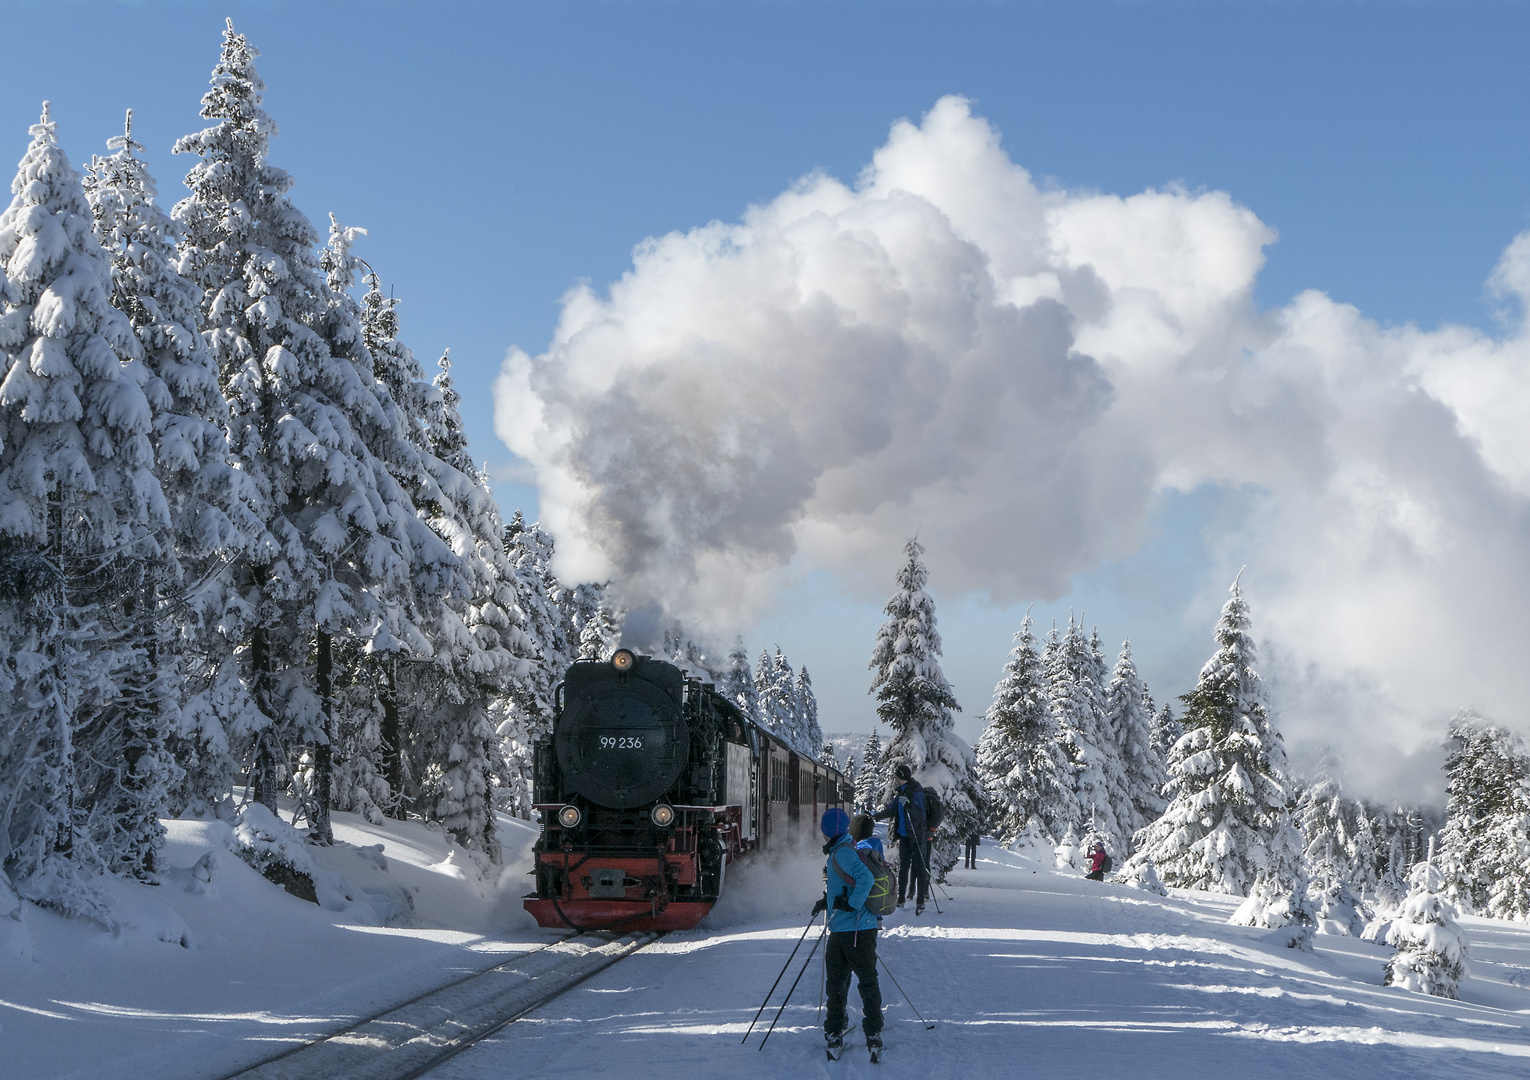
649	786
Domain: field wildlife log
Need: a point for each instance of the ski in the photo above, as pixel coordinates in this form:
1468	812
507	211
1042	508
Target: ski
836	1047
874	1049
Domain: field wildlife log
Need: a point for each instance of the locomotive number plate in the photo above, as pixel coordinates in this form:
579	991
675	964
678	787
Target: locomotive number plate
621	742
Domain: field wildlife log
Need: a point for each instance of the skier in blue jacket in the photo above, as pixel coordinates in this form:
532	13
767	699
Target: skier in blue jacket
852	947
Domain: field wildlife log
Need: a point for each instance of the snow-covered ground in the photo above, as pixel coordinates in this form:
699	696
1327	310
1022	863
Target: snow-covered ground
1031	973
1025	972
260	970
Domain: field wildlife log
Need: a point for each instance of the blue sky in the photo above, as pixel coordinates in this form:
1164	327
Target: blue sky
501	153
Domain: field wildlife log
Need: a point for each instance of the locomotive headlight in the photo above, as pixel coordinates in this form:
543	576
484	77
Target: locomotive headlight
570	816
662	815
622	659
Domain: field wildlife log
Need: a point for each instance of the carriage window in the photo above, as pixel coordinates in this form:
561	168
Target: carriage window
778	785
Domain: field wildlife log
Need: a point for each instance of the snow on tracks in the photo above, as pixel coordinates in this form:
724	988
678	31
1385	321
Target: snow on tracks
410	1039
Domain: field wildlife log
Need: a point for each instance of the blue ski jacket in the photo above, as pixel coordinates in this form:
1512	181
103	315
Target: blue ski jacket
873	843
901	812
843	855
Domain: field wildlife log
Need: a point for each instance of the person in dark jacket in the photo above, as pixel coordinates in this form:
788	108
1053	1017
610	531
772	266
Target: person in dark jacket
906	812
1097	863
852	948
972	846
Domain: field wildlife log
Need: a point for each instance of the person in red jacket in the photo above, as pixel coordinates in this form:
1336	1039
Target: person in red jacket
1097	863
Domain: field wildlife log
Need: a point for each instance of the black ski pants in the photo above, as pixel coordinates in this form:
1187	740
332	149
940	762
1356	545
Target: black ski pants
911	857
852	952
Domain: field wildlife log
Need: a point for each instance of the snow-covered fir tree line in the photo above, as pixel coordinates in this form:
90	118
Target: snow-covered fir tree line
1073	750
1069	756
242	540
770	691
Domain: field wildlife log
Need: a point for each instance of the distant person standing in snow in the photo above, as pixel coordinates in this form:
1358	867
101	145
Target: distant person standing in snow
1098	861
852	948
906	811
972	846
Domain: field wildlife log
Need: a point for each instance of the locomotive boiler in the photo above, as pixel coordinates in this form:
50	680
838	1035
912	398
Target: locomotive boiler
649	786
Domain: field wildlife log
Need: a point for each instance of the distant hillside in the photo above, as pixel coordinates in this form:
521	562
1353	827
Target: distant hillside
848	743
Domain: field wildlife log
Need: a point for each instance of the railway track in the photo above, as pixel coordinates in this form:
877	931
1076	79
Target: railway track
409	1040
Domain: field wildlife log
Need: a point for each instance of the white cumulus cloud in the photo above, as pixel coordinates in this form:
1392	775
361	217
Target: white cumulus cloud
1019	374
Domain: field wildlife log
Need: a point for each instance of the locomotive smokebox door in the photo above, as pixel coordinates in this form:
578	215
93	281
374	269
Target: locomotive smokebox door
622	740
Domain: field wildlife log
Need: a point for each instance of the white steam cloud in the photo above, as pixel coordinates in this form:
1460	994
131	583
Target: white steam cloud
1020	374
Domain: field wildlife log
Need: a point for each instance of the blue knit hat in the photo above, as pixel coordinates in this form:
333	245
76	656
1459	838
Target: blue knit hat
835	822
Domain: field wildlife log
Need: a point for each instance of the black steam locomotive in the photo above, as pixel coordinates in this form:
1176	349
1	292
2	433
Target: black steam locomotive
649	786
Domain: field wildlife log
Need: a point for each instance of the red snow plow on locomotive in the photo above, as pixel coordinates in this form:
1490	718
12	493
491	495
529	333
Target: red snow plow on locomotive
650	785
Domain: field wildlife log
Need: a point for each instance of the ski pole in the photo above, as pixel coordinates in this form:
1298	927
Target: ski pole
823	968
927	1025
934	881
929	879
777	983
790	991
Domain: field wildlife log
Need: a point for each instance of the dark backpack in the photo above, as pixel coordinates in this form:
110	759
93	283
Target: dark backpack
934	813
1108	865
882	900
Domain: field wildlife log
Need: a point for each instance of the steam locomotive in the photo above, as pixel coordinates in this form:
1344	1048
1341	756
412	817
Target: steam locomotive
649	786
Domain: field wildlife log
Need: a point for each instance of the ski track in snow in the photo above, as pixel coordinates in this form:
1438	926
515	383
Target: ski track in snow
1025	973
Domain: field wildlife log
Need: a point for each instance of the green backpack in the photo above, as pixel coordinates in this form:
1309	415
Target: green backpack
883	899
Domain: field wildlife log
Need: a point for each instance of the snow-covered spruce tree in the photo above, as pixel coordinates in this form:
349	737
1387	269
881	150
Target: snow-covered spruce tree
807	709
826	756
482	658
81	515
385	690
597	621
1112	738
774	712
1130	717
783	709
1277	901
298	413
1313	817
1339	909
1505	856
738	681
209	520
537	593
1078	712
1166	732
914	699
1020	758
1365	863
1392	886
1432	952
360	687
1485	766
869	784
1227	823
